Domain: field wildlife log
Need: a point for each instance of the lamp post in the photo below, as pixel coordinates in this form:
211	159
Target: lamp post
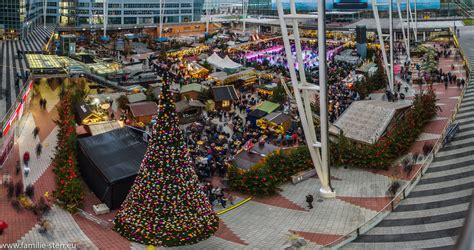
44	14
106	17
390	27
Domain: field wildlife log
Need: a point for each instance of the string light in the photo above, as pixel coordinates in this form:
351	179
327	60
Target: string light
166	206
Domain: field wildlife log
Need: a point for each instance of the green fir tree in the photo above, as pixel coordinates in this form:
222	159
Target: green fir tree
166	205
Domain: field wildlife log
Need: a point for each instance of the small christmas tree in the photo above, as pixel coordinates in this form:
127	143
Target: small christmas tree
166	206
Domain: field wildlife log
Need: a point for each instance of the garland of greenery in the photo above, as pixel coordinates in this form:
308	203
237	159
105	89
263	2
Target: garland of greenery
68	184
265	177
391	145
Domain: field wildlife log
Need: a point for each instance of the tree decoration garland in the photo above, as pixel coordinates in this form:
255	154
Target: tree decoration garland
166	206
68	184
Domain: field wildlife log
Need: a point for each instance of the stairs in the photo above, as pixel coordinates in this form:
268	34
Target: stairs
432	216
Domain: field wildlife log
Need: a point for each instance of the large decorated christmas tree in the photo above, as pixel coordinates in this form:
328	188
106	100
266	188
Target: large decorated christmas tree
166	206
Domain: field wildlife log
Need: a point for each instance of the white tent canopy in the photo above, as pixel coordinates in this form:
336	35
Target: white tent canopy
229	64
220	63
215	60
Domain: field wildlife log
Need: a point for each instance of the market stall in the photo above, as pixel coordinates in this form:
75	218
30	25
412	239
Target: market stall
278	122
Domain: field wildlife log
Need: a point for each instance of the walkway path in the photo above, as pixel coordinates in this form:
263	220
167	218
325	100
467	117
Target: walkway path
64	231
37	164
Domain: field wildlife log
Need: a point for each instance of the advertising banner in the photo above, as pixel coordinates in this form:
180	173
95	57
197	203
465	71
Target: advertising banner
311	5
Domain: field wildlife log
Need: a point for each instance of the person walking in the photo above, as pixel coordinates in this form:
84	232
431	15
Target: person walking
39	149
26	170
26	158
44	103
309	200
35	132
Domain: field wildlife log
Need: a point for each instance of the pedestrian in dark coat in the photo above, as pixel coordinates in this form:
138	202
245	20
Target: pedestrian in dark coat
309	200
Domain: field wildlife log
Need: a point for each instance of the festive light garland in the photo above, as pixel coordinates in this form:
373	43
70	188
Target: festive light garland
166	206
68	183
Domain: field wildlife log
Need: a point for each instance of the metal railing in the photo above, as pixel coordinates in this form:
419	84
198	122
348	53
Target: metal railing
103	223
466	239
408	187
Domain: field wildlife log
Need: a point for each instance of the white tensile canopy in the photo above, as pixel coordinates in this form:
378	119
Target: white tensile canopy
226	63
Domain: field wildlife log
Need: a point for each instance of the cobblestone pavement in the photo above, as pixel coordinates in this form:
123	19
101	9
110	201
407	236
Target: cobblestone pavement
64	231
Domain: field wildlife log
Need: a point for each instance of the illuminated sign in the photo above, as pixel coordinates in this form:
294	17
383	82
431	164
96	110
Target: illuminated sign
18	111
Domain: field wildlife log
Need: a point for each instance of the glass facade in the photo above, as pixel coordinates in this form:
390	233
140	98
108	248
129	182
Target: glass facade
198	10
90	12
16	16
68	12
260	7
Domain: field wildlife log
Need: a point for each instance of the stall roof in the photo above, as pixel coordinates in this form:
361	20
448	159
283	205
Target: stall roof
245	160
220	75
366	121
116	154
277	117
220	63
257	113
224	93
192	87
229	64
268	106
185	104
103	127
143	108
214	59
134	98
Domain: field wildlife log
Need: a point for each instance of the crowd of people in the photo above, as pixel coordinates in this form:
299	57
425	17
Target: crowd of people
218	136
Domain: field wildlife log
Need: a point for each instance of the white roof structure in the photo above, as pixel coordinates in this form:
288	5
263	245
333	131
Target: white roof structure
229	64
366	121
226	63
214	59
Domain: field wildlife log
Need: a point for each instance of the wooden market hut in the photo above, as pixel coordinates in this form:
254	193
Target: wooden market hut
261	111
86	114
255	115
192	91
189	110
224	97
143	112
278	122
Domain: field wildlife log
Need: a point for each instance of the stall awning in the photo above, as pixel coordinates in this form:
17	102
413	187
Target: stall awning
268	106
